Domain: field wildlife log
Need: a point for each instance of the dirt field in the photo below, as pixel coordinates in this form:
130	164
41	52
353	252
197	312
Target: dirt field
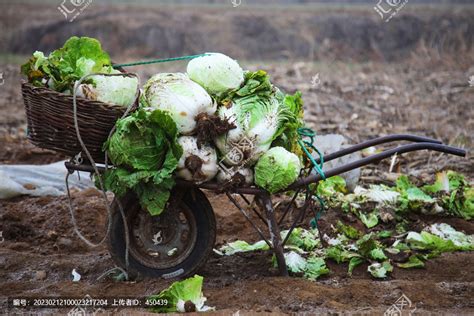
426	94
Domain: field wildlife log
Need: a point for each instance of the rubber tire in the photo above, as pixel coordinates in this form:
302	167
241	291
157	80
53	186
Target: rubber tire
206	236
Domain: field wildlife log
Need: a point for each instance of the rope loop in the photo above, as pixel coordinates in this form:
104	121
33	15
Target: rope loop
309	133
156	61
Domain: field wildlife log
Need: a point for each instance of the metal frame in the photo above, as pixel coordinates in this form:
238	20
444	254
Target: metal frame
264	200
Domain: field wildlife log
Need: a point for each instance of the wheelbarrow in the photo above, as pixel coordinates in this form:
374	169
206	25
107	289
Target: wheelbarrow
178	242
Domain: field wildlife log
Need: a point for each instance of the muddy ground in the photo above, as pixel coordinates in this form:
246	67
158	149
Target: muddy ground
427	94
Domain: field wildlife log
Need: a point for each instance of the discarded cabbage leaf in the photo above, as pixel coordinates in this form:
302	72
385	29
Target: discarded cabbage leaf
447	232
446	181
306	240
413	262
339	255
315	267
378	193
411	197
460	202
384	234
348	231
242	246
332	186
380	270
295	262
377	254
427	241
182	296
370	220
367	244
353	263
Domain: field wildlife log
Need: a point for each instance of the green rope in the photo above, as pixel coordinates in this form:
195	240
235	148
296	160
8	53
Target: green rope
308	132
155	61
305	132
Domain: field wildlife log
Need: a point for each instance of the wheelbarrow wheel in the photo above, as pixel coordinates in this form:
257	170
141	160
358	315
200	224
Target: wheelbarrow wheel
172	245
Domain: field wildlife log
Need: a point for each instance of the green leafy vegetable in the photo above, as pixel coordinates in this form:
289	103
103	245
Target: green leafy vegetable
413	262
215	72
447	232
242	246
261	114
306	240
315	267
78	57
145	153
181	97
287	135
353	263
379	194
460	202
182	296
380	270
367	244
119	90
370	220
377	254
348	231
255	83
276	169
331	186
427	241
384	234
295	262
339	255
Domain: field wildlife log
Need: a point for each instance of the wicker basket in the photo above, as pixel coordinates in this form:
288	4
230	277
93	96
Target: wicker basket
51	122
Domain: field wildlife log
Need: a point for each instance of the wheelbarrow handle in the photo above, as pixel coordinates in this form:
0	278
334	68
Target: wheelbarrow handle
378	141
433	145
377	157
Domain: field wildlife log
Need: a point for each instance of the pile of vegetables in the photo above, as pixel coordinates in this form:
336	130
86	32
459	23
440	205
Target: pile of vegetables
214	122
77	58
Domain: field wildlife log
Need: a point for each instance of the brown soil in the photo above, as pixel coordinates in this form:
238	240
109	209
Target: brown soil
38	237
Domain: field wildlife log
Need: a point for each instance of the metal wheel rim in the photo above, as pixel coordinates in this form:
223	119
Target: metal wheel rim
164	241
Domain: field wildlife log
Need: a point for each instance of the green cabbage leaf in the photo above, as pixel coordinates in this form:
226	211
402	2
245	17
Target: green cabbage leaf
145	153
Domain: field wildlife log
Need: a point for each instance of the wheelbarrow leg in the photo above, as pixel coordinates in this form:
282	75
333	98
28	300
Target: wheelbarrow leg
274	230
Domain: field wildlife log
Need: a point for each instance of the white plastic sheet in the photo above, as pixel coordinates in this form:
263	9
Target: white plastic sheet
330	143
39	180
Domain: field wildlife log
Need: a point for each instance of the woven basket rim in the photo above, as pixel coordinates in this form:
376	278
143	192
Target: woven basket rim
67	96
